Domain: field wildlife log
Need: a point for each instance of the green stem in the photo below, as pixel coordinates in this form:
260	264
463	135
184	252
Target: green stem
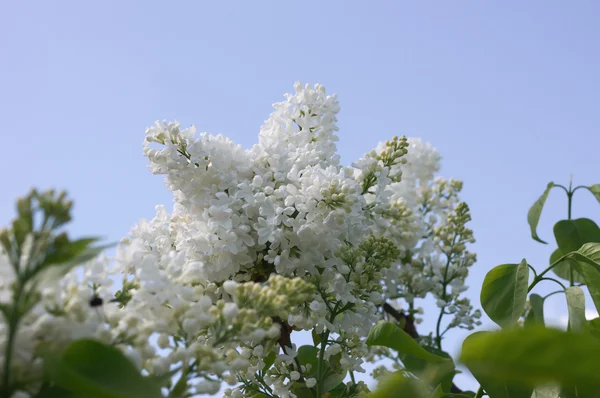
438	337
554	280
540	277
6	390
570	205
534	271
13	324
324	337
553	293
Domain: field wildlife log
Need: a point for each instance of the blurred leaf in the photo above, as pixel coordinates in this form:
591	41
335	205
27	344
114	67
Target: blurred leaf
6	310
504	293
594	327
65	250
54	271
91	369
533	216
389	335
547	391
572	392
500	389
576	307
535	356
54	392
397	385
536	314
432	373
595	190
338	391
300	392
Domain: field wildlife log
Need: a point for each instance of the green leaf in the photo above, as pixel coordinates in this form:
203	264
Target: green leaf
316	337
269	360
438	392
570	236
536	314
534	356
571	392
504	293
332	380
433	373
397	385
500	389
338	391
533	216
53	271
54	392
65	250
595	190
576	307
6	311
300	392
308	355
587	263
91	369
389	335
564	269
547	391
594	327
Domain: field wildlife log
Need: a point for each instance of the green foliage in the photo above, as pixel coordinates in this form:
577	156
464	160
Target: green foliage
536	313
595	190
570	236
389	335
533	216
308	356
504	293
91	369
564	268
534	356
38	252
398	385
549	391
586	261
576	307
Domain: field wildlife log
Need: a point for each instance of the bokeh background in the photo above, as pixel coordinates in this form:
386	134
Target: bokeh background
508	91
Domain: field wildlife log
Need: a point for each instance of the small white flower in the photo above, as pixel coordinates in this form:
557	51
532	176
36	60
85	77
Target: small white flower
310	383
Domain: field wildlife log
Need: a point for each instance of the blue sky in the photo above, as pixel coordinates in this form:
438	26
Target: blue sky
507	91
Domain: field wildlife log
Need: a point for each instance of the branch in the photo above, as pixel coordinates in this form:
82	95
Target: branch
285	340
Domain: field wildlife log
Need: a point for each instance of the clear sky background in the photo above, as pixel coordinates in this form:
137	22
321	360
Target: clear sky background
508	91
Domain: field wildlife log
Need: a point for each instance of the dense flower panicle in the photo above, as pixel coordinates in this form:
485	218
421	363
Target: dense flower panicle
262	242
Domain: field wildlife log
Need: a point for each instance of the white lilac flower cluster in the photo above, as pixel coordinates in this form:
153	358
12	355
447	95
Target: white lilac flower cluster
263	242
